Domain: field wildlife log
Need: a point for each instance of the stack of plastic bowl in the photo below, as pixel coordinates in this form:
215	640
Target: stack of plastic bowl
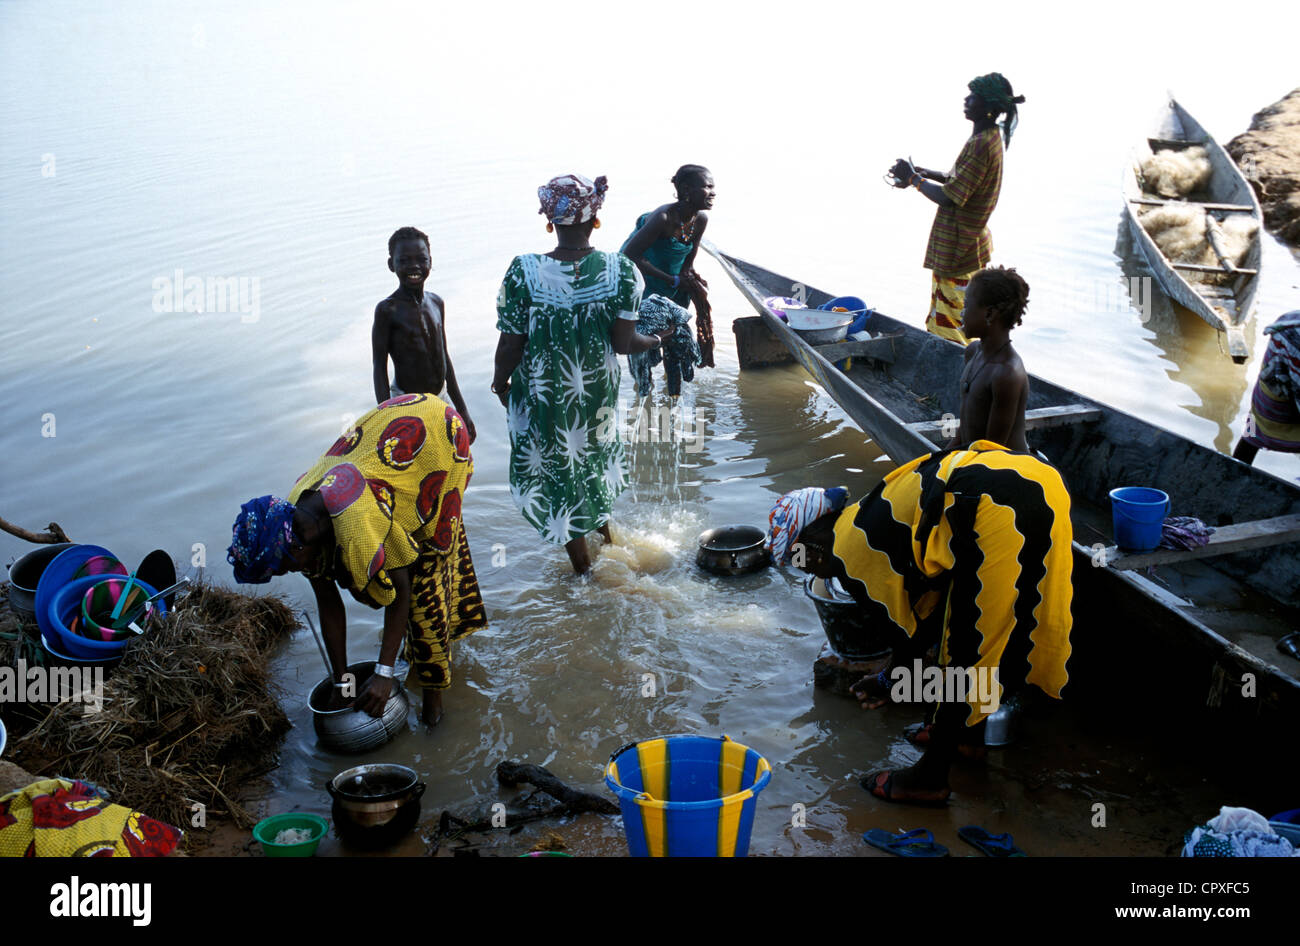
64	610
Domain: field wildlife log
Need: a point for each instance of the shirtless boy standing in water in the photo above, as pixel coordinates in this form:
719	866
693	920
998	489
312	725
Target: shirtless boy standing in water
410	327
994	385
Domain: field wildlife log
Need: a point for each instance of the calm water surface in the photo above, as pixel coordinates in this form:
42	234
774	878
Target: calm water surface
282	147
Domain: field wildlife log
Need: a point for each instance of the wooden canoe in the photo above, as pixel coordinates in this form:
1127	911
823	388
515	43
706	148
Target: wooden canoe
1220	610
1222	295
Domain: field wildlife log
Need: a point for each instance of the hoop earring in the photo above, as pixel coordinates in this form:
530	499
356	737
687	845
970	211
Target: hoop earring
550	228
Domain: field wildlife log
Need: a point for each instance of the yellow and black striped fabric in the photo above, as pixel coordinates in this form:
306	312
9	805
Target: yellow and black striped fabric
981	531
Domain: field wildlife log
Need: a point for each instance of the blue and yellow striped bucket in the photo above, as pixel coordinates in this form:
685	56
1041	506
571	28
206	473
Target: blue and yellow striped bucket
687	796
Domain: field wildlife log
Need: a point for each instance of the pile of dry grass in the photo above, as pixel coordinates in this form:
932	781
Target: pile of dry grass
189	715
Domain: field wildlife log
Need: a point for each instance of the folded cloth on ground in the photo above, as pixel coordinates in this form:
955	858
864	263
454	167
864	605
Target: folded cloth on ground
1184	532
680	352
1236	832
63	818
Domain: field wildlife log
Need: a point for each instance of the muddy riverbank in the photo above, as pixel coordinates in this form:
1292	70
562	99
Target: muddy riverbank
1269	156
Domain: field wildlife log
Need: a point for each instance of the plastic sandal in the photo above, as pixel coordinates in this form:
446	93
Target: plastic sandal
918	842
994	845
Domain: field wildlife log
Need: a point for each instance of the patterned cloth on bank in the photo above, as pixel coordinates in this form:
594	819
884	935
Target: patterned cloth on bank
571	198
64	818
983	534
1274	422
679	351
947	299
393	486
794	511
668	255
566	459
960	242
1236	832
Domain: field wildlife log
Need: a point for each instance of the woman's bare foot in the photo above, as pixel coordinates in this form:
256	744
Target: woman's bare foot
431	712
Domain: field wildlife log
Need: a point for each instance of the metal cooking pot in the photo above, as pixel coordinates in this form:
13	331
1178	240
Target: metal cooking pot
375	805
732	550
349	730
25	575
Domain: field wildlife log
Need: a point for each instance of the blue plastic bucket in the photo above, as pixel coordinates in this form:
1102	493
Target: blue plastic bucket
1138	513
687	796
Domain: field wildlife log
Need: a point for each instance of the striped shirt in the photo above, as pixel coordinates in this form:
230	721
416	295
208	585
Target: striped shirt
960	242
983	535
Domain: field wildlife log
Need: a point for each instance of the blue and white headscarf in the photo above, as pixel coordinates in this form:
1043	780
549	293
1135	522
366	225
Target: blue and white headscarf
794	511
261	537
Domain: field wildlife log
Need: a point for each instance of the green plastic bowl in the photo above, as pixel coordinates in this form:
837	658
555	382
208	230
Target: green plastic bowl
266	830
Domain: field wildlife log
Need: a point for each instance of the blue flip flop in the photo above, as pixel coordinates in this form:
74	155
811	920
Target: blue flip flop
994	845
918	842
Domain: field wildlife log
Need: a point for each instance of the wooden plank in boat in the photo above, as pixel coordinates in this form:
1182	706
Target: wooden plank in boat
1172	144
1198	268
879	349
1235	538
1226	208
1037	419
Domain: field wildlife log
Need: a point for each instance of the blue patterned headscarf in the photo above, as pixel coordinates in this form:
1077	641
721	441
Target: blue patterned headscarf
794	511
571	198
261	537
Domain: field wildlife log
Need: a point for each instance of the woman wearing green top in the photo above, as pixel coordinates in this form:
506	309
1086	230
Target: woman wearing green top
664	244
562	316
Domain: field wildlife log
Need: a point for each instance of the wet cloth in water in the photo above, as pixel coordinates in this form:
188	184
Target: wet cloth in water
63	818
680	353
668	255
393	486
1274	421
980	535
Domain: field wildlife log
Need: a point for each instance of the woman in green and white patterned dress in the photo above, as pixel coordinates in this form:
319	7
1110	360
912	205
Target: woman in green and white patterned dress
563	316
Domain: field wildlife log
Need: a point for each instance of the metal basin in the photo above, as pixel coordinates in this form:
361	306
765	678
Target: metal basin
25	575
349	730
732	550
375	805
851	636
817	327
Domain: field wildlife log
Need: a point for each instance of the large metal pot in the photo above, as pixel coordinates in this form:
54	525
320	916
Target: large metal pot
851	636
375	805
25	575
349	730
732	550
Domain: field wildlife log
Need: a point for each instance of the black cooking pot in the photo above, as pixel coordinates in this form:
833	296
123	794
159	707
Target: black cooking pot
732	550
851	636
375	805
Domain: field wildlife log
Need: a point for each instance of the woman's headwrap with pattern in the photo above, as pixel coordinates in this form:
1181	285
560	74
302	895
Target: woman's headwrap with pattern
571	198
995	91
794	511
261	537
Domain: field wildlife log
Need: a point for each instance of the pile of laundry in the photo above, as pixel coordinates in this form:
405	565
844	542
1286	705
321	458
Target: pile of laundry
1238	832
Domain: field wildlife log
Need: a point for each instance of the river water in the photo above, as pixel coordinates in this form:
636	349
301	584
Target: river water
152	143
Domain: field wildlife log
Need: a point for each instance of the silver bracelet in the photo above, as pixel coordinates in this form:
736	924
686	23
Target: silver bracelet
384	670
